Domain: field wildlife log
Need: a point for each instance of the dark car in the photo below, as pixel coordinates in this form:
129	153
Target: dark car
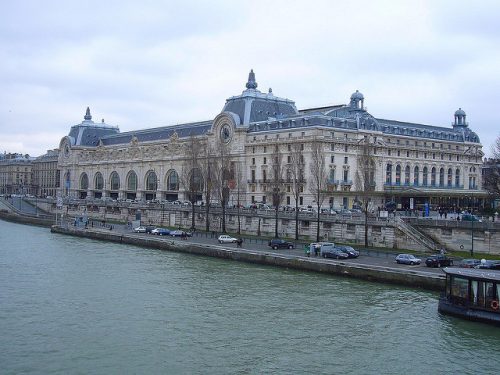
351	253
469	263
438	261
333	252
489	264
277	243
149	229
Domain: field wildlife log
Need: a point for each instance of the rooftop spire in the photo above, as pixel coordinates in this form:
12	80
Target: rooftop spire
87	115
251	84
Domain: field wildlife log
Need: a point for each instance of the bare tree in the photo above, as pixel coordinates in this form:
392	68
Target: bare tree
275	186
295	176
365	176
318	179
240	190
222	174
191	176
207	171
492	171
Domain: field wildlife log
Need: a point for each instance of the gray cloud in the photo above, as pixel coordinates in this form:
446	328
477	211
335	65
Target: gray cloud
161	63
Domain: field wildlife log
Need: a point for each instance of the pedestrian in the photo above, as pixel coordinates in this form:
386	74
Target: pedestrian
307	250
446	215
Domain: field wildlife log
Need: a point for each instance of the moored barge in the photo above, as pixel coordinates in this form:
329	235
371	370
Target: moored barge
471	294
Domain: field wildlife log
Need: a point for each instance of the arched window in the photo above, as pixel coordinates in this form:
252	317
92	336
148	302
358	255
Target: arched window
151	181
450	177
84	181
457	178
416	176
114	181
398	174
98	181
433	176
173	181
132	181
388	174
407	175
425	176
441	177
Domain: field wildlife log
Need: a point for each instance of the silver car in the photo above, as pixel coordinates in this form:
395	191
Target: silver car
407	259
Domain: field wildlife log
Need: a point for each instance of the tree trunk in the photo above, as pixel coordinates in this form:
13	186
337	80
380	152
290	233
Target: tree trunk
192	217
296	220
276	222
317	224
366	224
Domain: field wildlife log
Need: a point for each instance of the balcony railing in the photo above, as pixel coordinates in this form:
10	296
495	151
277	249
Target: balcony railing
430	186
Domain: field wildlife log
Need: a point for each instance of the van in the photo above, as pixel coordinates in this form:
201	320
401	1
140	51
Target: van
320	247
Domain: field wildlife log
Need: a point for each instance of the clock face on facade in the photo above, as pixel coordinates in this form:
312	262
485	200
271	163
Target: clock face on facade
225	133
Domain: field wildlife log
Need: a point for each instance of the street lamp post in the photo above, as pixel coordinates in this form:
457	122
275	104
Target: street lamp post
472	239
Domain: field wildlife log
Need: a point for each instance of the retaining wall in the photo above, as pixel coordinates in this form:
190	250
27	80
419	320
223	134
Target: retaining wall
405	277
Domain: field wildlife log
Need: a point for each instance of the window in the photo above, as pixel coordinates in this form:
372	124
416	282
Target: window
346	148
288	159
98	181
450	177
84	181
407	154
389	152
265	149
346	160
433	176
407	175
398	175
253	161
346	175
399	153
265	160
252	175
457	178
441	177
332	159
289	146
388	174
115	181
301	147
132	181
264	175
415	176
253	149
151	181
332	147
425	176
173	181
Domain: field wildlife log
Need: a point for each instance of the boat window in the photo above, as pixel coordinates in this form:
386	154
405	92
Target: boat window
459	289
477	293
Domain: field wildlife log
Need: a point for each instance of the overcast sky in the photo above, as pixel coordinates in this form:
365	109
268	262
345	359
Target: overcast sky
155	63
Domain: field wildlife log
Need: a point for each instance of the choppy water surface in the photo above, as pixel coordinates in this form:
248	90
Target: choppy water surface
70	305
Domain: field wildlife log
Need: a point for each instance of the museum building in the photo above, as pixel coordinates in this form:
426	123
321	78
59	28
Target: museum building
413	164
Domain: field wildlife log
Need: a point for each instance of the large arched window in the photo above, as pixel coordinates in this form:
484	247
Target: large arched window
173	181
398	174
84	181
407	175
151	181
441	177
433	176
450	177
98	181
416	172
388	174
425	176
114	181
457	178
132	181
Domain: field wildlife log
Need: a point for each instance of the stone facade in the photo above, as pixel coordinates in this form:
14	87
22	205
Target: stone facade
413	164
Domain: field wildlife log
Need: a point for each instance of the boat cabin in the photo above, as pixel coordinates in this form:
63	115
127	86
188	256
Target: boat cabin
472	293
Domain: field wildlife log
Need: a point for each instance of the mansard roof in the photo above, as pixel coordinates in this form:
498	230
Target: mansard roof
161	133
88	133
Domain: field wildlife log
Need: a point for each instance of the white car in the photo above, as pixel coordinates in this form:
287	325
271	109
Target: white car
224	238
140	230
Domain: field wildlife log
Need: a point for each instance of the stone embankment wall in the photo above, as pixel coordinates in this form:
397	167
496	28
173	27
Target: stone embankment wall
406	277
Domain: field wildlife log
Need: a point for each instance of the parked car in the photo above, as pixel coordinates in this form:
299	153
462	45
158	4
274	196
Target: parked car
149	229
469	263
489	264
470	217
278	243
351	252
407	259
439	260
332	252
180	233
224	238
160	232
140	230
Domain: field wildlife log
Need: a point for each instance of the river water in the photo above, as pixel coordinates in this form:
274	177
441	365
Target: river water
77	306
